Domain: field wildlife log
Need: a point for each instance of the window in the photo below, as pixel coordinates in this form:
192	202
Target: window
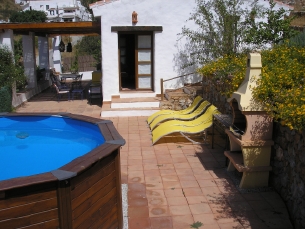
47	7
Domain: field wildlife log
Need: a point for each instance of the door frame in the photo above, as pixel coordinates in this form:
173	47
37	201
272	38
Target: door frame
136	33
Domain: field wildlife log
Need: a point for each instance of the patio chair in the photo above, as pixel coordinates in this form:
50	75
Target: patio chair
61	92
185	128
188	110
77	82
60	86
197	112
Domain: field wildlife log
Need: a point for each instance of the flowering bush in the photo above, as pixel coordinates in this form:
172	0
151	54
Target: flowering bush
229	71
281	88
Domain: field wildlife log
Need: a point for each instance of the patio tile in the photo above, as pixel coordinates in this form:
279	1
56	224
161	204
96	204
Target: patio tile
159	211
189	184
205	218
161	222
171	184
162	179
154	185
170	178
138	212
157	201
196	199
155	193
177	200
174	192
180	210
192	192
200	208
153	179
135	179
152	172
182	221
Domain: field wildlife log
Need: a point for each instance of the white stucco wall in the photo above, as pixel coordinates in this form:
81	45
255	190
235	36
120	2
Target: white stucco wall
6	38
56	57
170	14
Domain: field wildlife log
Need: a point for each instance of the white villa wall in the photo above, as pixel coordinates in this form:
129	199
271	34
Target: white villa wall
6	38
170	14
168	45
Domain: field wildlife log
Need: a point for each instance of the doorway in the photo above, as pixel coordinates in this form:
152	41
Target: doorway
127	61
135	61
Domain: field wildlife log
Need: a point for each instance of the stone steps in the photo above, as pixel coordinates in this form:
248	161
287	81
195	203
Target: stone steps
147	103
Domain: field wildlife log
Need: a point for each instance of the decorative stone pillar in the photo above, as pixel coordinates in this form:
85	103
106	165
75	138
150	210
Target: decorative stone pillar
251	133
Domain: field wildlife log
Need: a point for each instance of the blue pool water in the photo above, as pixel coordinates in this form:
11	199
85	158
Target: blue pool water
32	145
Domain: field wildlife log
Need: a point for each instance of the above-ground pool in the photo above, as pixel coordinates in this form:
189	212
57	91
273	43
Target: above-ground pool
59	171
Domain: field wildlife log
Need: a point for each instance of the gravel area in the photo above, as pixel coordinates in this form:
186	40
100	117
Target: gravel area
125	205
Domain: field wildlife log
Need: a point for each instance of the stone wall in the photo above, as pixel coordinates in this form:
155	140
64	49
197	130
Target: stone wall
288	159
288	171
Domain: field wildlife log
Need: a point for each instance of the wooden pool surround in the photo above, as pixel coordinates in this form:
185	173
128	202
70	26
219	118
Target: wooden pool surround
83	193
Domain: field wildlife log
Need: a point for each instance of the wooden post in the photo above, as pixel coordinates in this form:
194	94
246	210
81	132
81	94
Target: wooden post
161	86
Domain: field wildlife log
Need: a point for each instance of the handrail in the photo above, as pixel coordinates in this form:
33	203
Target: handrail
162	82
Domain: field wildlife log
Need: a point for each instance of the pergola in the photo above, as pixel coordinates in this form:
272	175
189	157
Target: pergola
44	31
53	29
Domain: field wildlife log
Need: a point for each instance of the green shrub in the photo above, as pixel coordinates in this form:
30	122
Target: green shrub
28	16
281	89
6	99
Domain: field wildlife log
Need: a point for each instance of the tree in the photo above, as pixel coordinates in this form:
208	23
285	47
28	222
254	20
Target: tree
90	45
219	28
86	4
9	69
271	31
7	8
28	16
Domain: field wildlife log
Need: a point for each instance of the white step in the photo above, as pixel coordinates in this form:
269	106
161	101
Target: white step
135	105
127	113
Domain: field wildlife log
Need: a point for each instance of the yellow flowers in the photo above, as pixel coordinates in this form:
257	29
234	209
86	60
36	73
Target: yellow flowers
281	88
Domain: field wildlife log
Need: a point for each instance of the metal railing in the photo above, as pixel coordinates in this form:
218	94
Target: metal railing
162	82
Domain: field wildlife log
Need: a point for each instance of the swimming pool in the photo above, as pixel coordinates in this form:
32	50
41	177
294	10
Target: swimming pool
59	171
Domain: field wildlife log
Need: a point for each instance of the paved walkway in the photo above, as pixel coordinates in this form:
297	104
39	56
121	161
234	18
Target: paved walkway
175	183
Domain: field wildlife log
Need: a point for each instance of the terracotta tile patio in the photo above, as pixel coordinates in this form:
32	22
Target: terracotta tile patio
175	183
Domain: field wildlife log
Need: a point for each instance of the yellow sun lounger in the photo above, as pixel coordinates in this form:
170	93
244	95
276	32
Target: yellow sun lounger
188	110
197	112
185	127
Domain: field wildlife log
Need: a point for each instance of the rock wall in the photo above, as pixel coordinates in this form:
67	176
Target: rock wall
288	160
288	171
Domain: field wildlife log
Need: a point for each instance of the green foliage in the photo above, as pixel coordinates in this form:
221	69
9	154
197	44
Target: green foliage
28	16
227	72
21	80
281	88
6	99
9	71
74	66
86	4
220	29
7	8
275	30
196	225
298	40
90	45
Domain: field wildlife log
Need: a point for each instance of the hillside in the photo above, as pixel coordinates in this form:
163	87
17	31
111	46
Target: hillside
6	8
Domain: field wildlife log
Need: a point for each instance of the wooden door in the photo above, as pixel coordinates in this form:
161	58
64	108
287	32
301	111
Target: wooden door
144	55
